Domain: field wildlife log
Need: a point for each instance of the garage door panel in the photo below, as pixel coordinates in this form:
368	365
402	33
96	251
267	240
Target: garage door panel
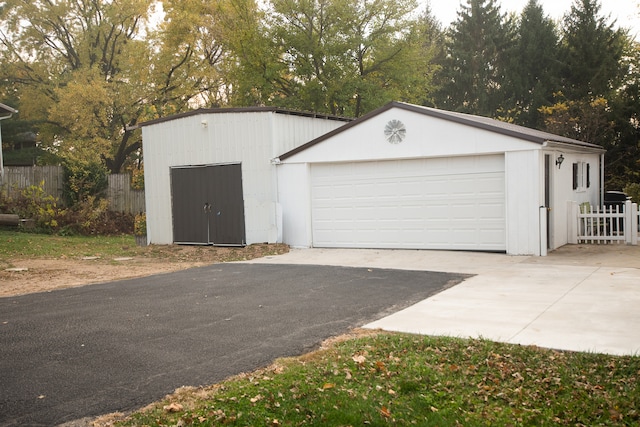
452	203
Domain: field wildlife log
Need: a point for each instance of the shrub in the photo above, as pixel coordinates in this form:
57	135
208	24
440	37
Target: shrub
137	179
90	216
140	225
633	190
82	180
33	203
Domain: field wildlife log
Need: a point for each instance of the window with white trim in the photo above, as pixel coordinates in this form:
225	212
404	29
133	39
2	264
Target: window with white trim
581	176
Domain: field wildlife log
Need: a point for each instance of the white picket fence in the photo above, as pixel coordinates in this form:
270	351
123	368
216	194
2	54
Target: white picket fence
604	225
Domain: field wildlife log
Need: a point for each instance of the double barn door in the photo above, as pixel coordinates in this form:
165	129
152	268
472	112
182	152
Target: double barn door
207	205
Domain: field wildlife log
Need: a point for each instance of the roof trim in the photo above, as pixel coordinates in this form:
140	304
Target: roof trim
479	122
5	109
276	110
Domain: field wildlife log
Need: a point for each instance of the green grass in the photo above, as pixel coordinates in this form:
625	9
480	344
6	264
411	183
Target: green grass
19	244
397	379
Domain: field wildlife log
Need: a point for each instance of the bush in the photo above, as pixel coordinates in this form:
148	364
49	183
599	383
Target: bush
33	203
90	216
140	224
633	191
82	180
137	179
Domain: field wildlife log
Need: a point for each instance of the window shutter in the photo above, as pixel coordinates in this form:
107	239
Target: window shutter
575	176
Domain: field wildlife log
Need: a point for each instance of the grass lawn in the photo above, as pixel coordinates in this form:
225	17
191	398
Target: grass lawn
398	379
19	244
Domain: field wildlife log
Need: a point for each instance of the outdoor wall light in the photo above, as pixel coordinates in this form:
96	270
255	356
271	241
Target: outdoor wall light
204	123
559	161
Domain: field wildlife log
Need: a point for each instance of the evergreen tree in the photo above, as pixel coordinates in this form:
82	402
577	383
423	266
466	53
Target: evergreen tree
533	67
623	155
477	47
592	51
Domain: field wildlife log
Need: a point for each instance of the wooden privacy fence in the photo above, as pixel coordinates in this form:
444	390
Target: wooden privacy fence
17	178
604	225
121	197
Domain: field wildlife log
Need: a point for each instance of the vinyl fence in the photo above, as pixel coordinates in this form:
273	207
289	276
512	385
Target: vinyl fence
604	225
121	197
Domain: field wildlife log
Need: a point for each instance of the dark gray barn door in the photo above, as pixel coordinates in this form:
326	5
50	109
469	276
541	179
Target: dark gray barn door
207	205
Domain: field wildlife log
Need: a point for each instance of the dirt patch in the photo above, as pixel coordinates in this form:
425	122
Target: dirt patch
43	275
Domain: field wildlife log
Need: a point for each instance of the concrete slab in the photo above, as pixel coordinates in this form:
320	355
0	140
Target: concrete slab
579	298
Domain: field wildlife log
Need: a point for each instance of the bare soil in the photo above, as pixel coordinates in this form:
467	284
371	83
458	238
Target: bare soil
48	274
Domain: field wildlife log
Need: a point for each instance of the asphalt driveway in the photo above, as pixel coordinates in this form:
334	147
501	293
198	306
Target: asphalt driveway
117	346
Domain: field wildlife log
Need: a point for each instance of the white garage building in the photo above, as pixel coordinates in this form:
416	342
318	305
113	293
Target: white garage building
412	177
209	175
402	176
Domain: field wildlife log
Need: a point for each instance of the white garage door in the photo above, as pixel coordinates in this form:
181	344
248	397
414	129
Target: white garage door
446	203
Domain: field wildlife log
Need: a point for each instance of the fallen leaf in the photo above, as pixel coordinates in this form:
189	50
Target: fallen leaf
359	359
255	399
328	386
385	412
173	407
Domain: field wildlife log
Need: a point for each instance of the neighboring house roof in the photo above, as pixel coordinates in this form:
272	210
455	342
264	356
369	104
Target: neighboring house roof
276	110
6	110
479	122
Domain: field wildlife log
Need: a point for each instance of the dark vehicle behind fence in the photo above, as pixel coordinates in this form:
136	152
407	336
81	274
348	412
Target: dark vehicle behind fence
614	201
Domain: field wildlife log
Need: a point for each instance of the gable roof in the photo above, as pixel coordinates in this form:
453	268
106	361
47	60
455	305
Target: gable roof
479	122
276	110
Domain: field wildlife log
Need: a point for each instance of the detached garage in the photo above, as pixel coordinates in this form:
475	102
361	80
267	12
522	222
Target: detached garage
412	177
209	175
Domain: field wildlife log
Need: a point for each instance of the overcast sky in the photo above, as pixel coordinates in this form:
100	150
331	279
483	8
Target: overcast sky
627	12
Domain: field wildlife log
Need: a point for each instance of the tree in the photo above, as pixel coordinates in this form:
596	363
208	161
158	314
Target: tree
532	73
67	60
592	51
347	57
585	120
598	103
623	154
477	47
89	70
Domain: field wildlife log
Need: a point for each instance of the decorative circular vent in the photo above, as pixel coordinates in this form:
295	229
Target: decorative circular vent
395	131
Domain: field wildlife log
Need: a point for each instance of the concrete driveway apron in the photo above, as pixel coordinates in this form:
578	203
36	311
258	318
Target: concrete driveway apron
87	351
579	298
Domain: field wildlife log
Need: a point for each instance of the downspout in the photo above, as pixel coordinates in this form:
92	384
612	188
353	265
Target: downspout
602	179
1	159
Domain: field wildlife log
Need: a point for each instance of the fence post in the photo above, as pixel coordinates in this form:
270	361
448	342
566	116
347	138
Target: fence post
627	222
572	225
632	217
